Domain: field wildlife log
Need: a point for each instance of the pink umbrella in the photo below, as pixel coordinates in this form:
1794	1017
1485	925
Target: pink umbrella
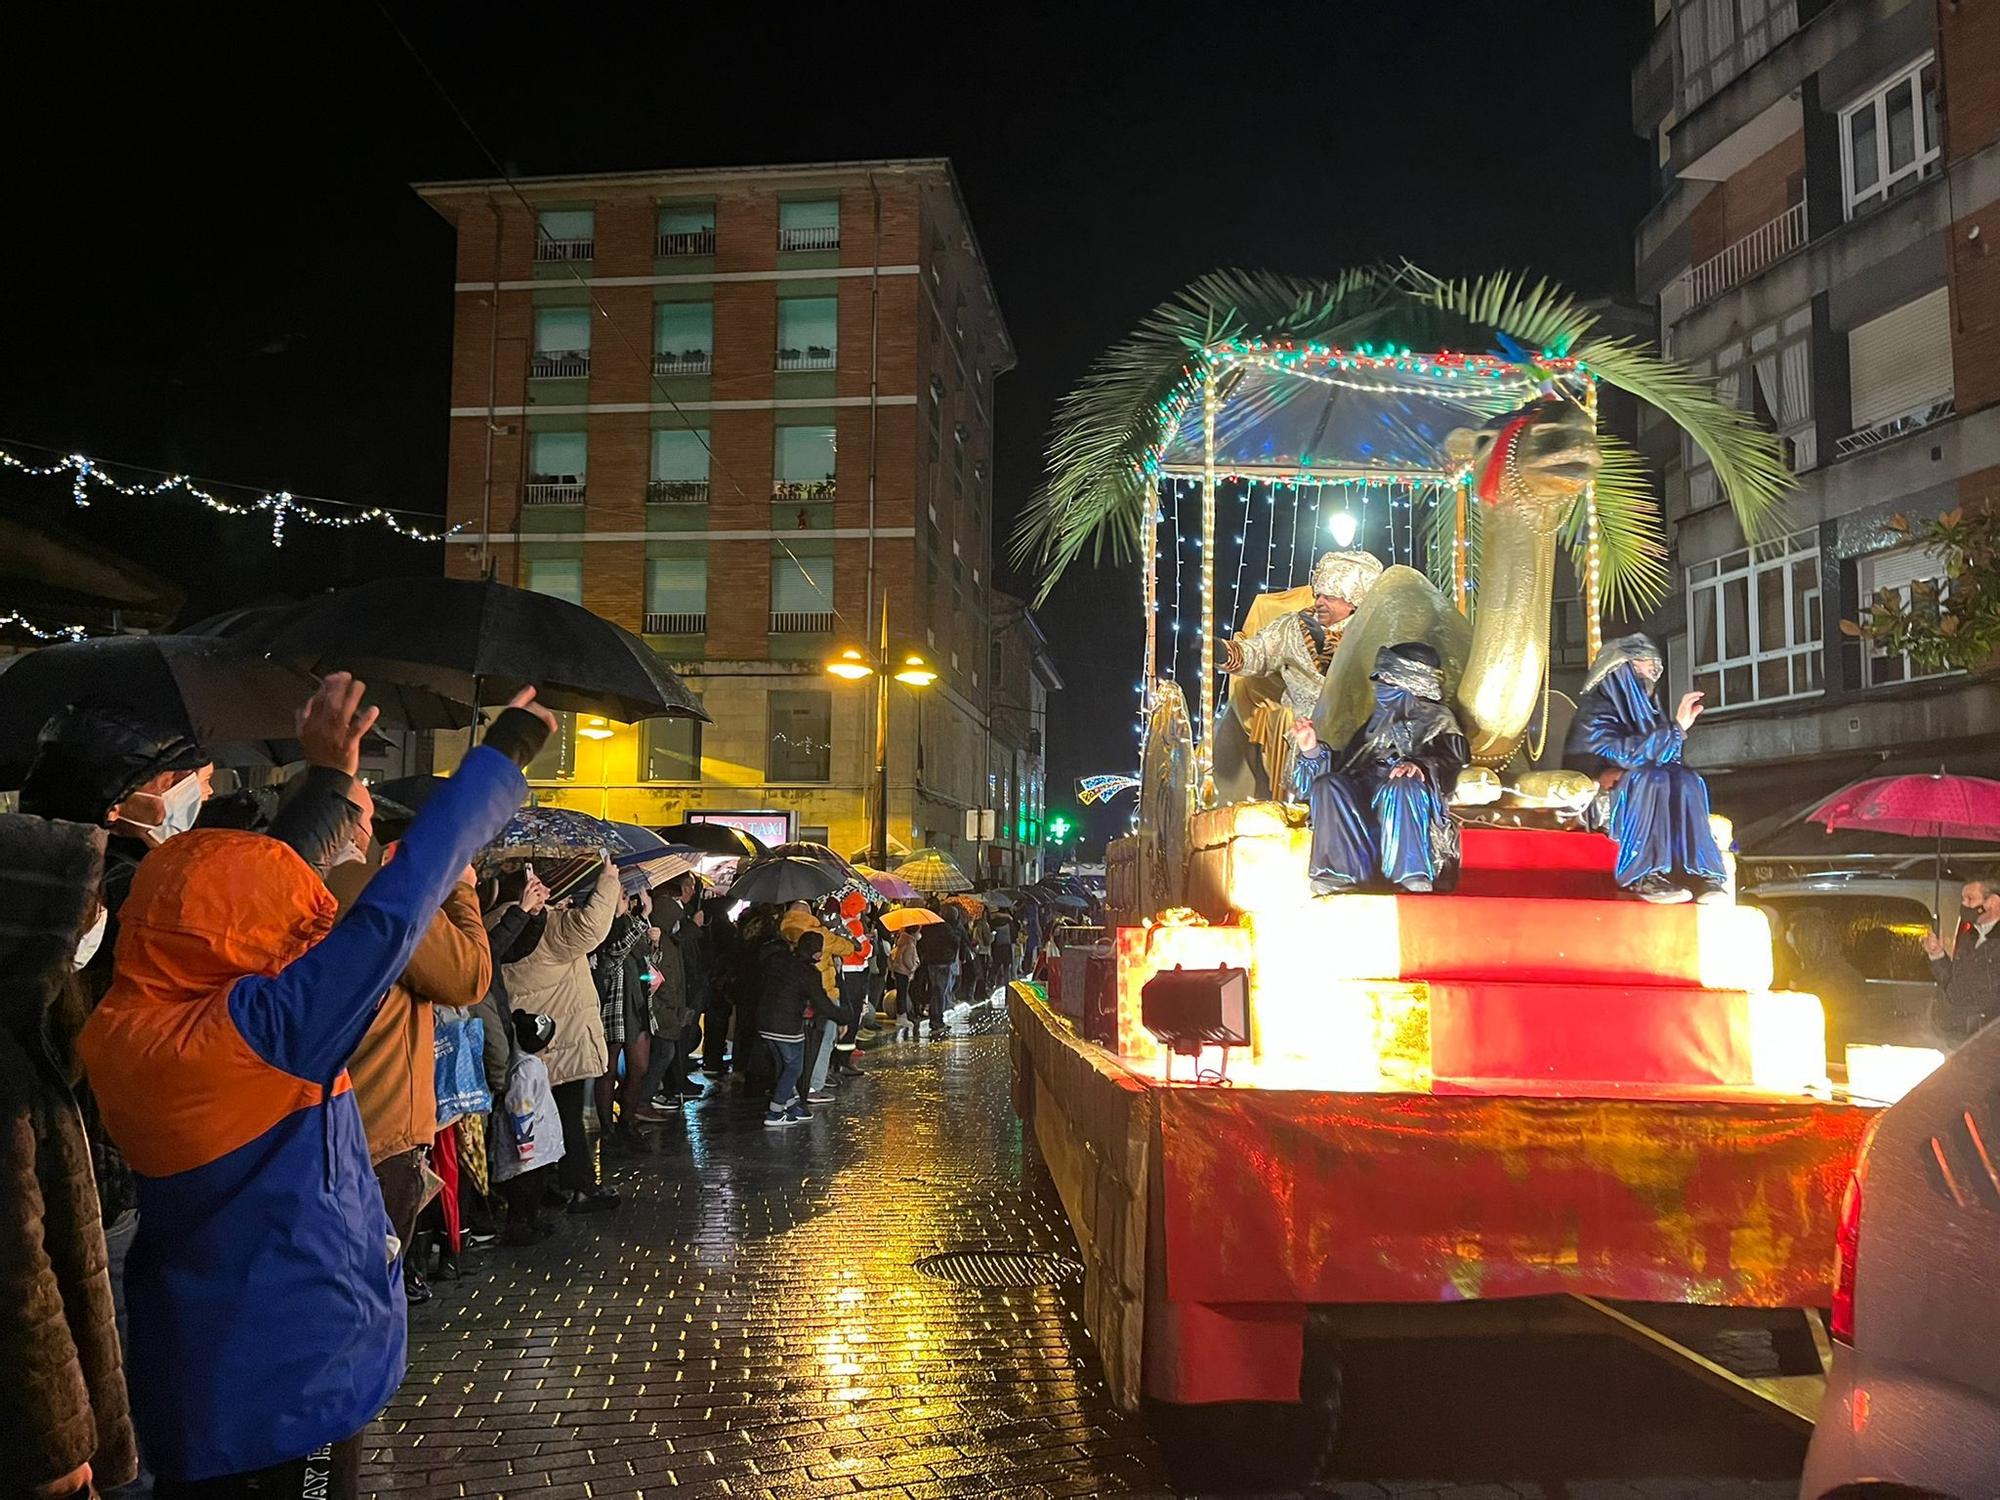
1966	807
894	886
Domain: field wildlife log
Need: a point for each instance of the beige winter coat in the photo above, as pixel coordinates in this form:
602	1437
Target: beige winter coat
555	980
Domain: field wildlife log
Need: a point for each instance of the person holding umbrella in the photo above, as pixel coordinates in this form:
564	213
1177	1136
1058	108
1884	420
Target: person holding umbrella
554	980
1968	975
268	1328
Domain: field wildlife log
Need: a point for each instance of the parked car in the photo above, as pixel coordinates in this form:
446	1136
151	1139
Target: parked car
1871	972
1913	1398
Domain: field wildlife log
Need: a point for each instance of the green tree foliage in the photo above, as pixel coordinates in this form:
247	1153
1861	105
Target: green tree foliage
1950	625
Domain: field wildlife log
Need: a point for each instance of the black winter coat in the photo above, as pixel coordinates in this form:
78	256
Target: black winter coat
789	987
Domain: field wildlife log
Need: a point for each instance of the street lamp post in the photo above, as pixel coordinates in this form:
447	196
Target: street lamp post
909	668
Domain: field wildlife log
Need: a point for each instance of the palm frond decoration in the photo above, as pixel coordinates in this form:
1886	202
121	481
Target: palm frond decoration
1099	490
1749	463
1631	549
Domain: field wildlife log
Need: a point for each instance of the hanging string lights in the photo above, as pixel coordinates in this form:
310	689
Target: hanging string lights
88	475
13	619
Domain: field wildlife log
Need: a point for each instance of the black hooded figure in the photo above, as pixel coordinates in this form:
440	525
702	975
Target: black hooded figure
1379	804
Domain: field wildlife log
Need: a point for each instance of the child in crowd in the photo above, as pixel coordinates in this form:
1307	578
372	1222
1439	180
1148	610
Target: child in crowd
528	1138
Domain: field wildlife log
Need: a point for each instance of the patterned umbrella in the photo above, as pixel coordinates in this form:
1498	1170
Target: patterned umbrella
892	886
552	832
1919	807
932	872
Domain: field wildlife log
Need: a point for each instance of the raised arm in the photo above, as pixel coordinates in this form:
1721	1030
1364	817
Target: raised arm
308	1018
573	933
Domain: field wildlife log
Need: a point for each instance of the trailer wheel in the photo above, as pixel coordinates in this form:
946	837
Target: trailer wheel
1258	1445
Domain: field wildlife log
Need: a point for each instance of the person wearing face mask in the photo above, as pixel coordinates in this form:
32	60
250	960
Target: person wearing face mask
394	1067
1968	976
65	1425
1625	741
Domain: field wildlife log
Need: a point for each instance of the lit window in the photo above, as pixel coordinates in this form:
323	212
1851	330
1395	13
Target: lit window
565	234
1754	628
558	577
683	338
801	746
671	749
808	333
557	760
1889	139
809	226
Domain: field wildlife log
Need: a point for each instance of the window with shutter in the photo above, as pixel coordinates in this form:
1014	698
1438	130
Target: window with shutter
1899	365
1915	577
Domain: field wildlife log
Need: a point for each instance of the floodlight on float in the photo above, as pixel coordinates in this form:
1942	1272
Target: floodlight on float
1190	1009
1340	526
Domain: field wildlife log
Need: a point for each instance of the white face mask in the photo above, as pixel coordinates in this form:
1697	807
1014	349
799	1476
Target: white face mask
182	802
353	852
92	939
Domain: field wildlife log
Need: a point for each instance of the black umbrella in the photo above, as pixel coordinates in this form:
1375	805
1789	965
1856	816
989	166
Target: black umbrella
725	839
216	692
477	641
784	880
407	706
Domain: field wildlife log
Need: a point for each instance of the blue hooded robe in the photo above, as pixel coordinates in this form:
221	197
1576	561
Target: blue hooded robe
1659	811
1366	822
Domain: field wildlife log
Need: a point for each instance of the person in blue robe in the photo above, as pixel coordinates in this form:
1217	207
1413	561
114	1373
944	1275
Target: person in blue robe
1657	808
1378	805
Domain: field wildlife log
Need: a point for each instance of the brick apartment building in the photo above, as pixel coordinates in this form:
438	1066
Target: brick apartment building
1822	244
732	409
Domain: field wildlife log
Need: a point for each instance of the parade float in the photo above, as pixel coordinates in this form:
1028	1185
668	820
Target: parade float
1527	1101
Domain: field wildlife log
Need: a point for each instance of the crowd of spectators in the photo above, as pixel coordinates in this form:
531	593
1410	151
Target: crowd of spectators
268	1072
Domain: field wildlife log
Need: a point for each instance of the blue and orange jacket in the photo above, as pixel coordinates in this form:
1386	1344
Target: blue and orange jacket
267	1318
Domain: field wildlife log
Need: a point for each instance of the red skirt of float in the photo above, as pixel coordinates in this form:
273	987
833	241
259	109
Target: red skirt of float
1570	1093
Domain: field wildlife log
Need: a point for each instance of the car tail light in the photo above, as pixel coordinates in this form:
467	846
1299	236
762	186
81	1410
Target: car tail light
1847	1244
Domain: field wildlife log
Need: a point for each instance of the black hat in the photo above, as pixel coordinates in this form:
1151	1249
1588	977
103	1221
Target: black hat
533	1031
91	756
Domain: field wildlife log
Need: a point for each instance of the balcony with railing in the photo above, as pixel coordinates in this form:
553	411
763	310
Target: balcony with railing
566	489
802	491
682	622
559	364
577	248
677	492
812	237
1760	248
802	622
687	362
685	242
813	357
1875	434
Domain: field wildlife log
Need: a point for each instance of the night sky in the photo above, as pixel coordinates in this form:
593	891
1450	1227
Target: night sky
214	262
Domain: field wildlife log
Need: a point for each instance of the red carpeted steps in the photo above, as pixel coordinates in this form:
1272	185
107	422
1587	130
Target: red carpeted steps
1536	862
1579	1033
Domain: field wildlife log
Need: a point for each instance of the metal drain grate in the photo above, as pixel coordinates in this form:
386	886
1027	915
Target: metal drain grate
999	1268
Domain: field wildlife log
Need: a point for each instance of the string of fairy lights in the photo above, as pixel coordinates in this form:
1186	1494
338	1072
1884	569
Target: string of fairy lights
1383	518
88	477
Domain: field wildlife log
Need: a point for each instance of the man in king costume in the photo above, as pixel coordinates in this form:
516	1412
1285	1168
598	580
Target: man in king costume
1297	648
1659	808
1378	806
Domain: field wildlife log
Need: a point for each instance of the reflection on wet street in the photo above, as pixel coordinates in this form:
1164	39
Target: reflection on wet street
753	1322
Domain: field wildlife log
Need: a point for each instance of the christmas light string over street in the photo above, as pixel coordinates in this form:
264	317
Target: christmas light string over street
86	474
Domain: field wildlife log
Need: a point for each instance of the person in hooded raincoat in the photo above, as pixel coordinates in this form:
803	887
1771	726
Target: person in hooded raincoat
1658	808
1379	805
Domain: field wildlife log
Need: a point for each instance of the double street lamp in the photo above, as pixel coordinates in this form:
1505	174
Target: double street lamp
908	667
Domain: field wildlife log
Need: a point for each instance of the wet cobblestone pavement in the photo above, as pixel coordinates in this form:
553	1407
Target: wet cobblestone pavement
750	1323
